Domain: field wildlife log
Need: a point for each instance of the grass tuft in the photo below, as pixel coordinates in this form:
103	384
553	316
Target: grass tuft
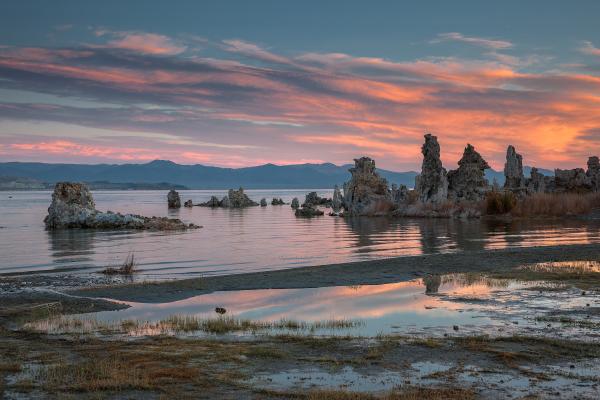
127	268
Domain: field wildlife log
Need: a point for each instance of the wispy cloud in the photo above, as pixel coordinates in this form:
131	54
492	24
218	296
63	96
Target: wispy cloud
141	42
254	51
588	47
476	41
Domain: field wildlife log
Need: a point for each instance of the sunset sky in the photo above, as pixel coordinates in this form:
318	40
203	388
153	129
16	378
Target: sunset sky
241	83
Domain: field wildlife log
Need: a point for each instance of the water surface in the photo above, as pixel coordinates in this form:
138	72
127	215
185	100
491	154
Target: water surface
252	239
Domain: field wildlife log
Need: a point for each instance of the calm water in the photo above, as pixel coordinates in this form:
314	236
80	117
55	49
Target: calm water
234	241
472	302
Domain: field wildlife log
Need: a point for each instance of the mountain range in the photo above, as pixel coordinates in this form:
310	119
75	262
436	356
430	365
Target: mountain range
268	176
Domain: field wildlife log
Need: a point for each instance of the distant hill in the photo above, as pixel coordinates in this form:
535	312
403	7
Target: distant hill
268	176
197	176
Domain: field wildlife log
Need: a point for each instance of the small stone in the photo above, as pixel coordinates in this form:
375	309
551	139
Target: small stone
455	327
263	202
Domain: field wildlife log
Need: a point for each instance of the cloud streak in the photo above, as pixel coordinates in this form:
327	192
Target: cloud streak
588	48
472	40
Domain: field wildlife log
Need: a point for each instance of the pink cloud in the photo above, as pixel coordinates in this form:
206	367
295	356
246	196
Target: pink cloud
588	48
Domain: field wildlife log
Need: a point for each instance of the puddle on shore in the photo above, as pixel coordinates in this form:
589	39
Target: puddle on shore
456	304
490	383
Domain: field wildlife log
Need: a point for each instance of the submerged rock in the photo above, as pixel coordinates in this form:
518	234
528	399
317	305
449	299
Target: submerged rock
277	202
432	183
73	207
173	199
295	203
263	202
366	193
513	170
308	211
188	204
468	183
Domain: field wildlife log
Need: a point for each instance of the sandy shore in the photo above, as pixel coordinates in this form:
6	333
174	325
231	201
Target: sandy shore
345	274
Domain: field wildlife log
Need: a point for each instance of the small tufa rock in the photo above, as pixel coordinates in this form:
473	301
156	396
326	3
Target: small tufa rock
277	201
313	199
295	203
173	199
234	199
238	199
188	204
220	310
263	202
213	202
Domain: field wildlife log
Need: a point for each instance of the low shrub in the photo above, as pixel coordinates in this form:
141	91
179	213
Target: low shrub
500	202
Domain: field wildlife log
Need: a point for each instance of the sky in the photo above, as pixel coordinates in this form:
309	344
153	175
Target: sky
242	83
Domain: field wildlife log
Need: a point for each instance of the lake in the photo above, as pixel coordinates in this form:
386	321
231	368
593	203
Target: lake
252	239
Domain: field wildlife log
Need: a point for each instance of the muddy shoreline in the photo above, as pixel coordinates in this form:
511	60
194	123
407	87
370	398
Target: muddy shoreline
346	274
106	363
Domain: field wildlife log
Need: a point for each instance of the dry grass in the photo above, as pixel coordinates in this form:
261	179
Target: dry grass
556	205
177	324
127	268
112	373
581	274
